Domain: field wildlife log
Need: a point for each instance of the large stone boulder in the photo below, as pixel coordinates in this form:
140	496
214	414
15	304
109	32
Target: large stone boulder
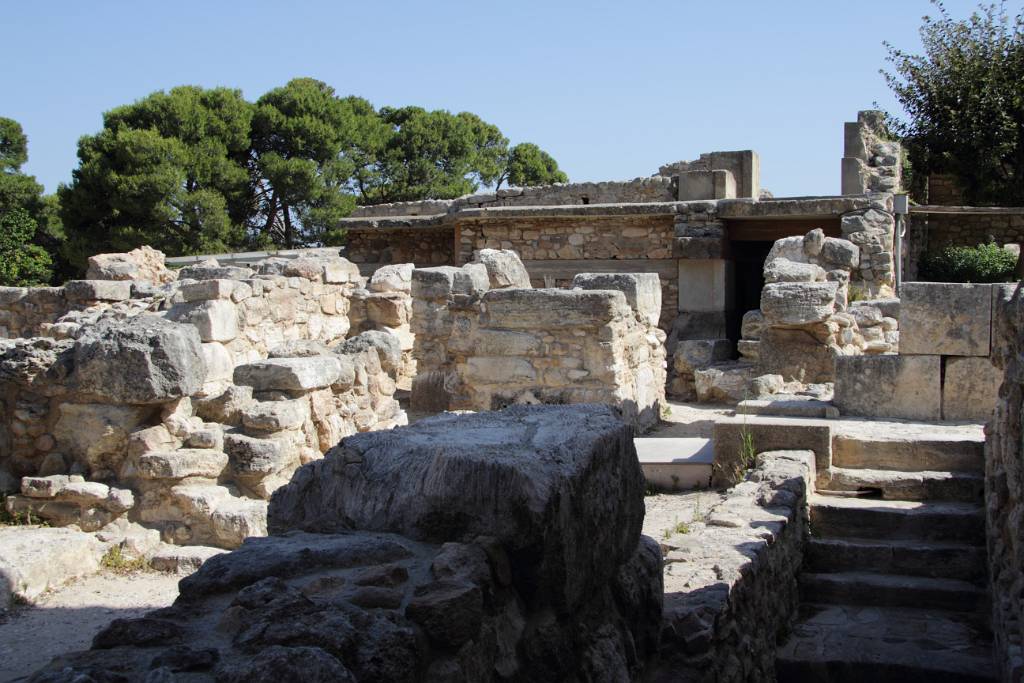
396	277
145	264
142	360
571	491
504	268
387	346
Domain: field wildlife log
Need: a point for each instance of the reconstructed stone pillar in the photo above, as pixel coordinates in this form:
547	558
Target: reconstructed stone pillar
871	161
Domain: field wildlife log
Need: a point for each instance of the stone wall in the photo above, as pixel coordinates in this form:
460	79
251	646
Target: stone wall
1004	484
182	406
639	190
482	348
384	242
872	161
929	232
731	590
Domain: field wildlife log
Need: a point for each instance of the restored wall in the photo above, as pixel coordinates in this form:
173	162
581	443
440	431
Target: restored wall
424	246
931	232
638	190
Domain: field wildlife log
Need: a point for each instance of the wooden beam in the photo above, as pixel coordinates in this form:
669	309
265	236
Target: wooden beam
758	230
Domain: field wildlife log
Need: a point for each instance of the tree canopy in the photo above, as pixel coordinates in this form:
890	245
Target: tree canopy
528	164
25	214
196	170
964	102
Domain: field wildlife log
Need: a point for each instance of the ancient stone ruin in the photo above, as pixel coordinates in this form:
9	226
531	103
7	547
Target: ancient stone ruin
573	359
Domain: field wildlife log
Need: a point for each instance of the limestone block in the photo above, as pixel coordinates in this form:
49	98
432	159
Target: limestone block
388	309
789	248
299	348
950	319
340	271
212	270
216	320
446	281
642	290
182	463
393	278
554	308
497	343
798	303
219	363
275	416
387	345
504	268
752	325
571	506
706	285
796	355
144	359
899	386
499	370
36	559
251	456
724	383
970	388
693	354
289	374
97	290
96	434
784	270
145	264
842	253
205	290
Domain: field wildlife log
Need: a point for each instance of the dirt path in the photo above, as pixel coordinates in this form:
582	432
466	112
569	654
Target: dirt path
66	619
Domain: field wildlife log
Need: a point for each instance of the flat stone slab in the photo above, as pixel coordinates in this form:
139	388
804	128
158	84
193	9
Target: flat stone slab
681	450
289	374
36	559
788	405
675	464
859	643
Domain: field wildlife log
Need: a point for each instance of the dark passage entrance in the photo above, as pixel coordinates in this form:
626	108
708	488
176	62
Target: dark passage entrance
749	280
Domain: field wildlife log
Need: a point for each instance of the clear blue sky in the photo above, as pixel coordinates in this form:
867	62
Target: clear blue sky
611	89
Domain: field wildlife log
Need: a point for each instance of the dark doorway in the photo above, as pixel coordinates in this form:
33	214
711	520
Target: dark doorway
748	267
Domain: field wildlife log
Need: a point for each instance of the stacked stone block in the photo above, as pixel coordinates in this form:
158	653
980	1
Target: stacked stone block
943	371
482	349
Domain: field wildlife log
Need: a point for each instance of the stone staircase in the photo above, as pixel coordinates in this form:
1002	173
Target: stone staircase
893	583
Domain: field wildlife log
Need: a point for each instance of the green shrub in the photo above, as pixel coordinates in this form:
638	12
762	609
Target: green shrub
983	263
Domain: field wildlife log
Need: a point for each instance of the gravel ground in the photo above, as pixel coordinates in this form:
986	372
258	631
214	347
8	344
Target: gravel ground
66	619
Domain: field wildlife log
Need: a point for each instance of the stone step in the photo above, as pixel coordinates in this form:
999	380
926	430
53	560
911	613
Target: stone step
924	485
204	463
891	590
849	644
787	405
852	517
675	464
912	558
946	449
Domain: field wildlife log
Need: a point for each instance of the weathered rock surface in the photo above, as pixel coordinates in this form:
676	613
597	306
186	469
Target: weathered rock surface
142	264
289	374
442	482
504	269
35	559
144	359
549	581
